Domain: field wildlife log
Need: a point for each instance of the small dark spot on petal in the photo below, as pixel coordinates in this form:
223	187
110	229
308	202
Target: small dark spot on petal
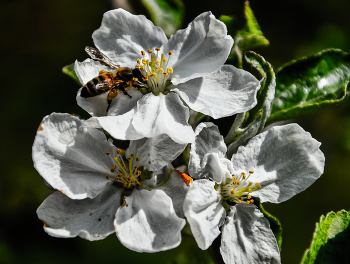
99	219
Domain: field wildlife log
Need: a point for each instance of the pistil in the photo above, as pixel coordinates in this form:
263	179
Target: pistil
154	68
239	189
127	176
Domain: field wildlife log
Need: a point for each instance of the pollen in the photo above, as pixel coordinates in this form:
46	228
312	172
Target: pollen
107	153
251	172
239	190
118	151
143	53
107	177
170	52
152	67
137	158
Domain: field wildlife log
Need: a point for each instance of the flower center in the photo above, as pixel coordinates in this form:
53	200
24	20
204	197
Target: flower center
238	189
154	67
127	174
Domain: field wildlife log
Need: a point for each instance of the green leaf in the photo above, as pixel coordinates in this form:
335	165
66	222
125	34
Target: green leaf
69	70
331	241
275	225
246	34
167	14
310	84
263	71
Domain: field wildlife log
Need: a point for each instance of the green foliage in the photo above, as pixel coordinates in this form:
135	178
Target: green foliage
246	34
69	70
310	84
275	225
331	241
263	71
167	14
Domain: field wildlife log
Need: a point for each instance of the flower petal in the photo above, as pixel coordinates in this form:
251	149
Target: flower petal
247	237
163	114
204	212
176	189
199	49
120	126
89	69
148	222
155	152
91	219
122	36
71	157
207	152
225	92
286	160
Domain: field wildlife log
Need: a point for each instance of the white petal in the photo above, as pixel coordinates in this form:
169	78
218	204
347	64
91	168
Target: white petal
176	189
95	106
199	49
148	222
122	36
89	69
120	126
225	92
91	219
71	157
247	237
123	103
163	114
155	152
204	212
286	160
207	152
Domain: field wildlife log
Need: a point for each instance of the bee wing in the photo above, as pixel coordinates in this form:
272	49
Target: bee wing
95	54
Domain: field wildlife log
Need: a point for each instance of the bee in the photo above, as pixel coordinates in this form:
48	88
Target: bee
120	80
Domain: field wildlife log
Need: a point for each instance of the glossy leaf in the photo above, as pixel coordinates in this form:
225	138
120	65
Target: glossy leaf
263	71
310	84
331	241
275	225
246	34
167	14
69	70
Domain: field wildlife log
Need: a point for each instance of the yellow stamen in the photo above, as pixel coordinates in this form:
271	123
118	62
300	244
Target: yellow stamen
138	61
169	70
137	158
143	53
170	52
157	49
107	153
149	51
107	177
233	192
113	168
251	172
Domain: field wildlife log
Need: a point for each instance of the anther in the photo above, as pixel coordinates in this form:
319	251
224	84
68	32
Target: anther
251	172
249	196
138	173
142	53
250	184
149	51
138	61
233	192
113	168
107	177
135	167
248	202
239	201
118	151
158	61
233	177
137	158
169	70
164	60
170	52
157	49
251	201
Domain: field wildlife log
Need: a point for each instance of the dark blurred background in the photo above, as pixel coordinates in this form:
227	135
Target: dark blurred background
39	37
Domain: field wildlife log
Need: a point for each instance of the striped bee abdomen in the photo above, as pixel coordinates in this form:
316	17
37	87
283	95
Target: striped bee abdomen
97	85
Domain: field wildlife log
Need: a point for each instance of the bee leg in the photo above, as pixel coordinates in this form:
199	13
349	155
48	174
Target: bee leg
122	88
111	95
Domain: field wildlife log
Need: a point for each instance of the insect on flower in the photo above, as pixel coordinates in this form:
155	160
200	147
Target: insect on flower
121	79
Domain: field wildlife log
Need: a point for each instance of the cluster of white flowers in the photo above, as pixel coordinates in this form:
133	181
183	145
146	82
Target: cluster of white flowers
136	193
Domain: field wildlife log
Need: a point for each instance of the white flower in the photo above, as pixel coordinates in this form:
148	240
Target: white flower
101	192
188	65
274	166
